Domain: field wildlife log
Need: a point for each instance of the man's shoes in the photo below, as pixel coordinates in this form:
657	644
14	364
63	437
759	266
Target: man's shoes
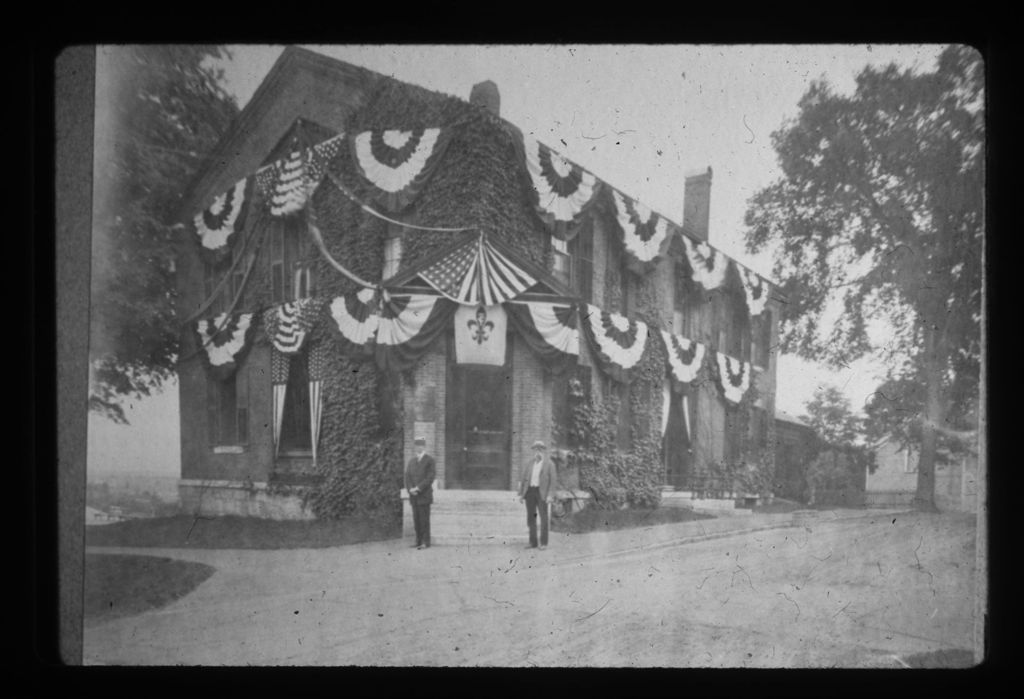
420	547
416	546
543	546
530	546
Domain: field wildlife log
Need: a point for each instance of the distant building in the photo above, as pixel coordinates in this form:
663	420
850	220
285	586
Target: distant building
894	481
96	517
794	440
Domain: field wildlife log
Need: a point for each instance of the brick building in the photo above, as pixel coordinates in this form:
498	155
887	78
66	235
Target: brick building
253	437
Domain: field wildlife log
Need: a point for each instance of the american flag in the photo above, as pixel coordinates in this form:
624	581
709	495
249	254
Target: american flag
476	273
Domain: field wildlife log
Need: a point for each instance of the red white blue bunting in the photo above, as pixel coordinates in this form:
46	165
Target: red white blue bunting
476	273
549	330
755	289
560	190
286	325
287	184
618	341
645	234
216	224
355	317
397	163
707	265
684	358
224	340
408	326
733	377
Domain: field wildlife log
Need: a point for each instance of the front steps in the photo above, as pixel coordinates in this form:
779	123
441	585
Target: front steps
472	516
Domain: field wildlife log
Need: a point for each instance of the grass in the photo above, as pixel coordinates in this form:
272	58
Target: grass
121	585
230	532
592	519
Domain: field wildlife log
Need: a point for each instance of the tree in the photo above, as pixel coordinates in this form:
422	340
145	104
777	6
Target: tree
878	221
159	112
833	421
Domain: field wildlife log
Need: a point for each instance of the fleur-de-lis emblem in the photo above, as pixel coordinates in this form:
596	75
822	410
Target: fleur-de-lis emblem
482	325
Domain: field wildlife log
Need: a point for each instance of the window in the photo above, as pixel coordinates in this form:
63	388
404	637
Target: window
291	274
561	261
761	339
732	335
733	442
909	461
392	254
228	405
295	421
686	306
581	252
212	276
569	391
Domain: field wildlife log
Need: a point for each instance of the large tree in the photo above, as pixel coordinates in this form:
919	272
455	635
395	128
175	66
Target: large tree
877	223
159	112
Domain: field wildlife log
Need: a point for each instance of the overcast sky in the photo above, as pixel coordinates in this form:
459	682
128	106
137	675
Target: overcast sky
639	117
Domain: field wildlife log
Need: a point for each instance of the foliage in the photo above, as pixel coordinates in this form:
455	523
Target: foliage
878	217
160	110
829	414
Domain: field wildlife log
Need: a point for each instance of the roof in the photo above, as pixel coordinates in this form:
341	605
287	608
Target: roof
786	417
472	190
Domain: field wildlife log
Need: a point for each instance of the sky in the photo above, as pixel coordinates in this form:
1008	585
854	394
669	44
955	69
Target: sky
640	117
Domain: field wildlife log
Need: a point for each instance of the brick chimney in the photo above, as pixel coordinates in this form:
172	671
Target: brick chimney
486	95
697	203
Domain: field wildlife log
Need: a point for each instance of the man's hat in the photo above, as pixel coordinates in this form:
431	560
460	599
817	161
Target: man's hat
420	440
539	445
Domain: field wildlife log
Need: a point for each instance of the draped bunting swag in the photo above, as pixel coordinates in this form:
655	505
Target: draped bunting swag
286	325
684	359
549	330
733	377
398	163
355	319
645	234
408	326
287	183
476	273
219	222
224	348
666	404
560	190
707	265
755	289
618	342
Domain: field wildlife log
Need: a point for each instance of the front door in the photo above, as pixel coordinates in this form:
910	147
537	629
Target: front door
677	445
478	409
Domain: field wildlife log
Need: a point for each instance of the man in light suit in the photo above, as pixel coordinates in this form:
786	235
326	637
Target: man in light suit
419	481
537	489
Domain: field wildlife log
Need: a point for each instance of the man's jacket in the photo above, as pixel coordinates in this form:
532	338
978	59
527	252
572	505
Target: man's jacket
548	480
419	473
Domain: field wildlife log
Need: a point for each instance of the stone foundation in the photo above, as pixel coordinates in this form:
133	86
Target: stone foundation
213	498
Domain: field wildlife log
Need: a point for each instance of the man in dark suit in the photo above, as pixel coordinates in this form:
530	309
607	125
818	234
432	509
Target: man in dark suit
419	481
537	488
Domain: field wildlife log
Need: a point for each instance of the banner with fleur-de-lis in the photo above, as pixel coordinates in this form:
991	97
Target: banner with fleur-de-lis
480	335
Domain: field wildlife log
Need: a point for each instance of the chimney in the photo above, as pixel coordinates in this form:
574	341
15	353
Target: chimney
697	203
486	95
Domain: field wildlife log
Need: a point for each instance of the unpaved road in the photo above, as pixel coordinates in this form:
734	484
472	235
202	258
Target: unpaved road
854	593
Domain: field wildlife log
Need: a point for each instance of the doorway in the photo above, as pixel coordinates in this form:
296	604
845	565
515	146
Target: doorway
478	409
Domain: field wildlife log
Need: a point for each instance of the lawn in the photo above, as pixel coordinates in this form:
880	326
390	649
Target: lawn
121	585
231	532
592	519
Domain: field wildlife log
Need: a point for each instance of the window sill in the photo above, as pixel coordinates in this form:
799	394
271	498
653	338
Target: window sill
229	450
296	453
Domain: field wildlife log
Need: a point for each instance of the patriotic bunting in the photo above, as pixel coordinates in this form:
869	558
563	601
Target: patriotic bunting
561	190
684	358
398	163
549	330
280	367
317	366
356	317
286	325
618	341
755	289
224	341
288	183
707	264
733	377
216	224
645	235
408	326
476	273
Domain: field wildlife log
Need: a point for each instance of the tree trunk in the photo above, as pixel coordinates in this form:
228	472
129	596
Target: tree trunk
924	498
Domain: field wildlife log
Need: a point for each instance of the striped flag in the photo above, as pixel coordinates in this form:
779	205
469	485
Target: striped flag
476	273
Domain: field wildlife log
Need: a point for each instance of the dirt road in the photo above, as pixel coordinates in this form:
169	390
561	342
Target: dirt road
855	593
